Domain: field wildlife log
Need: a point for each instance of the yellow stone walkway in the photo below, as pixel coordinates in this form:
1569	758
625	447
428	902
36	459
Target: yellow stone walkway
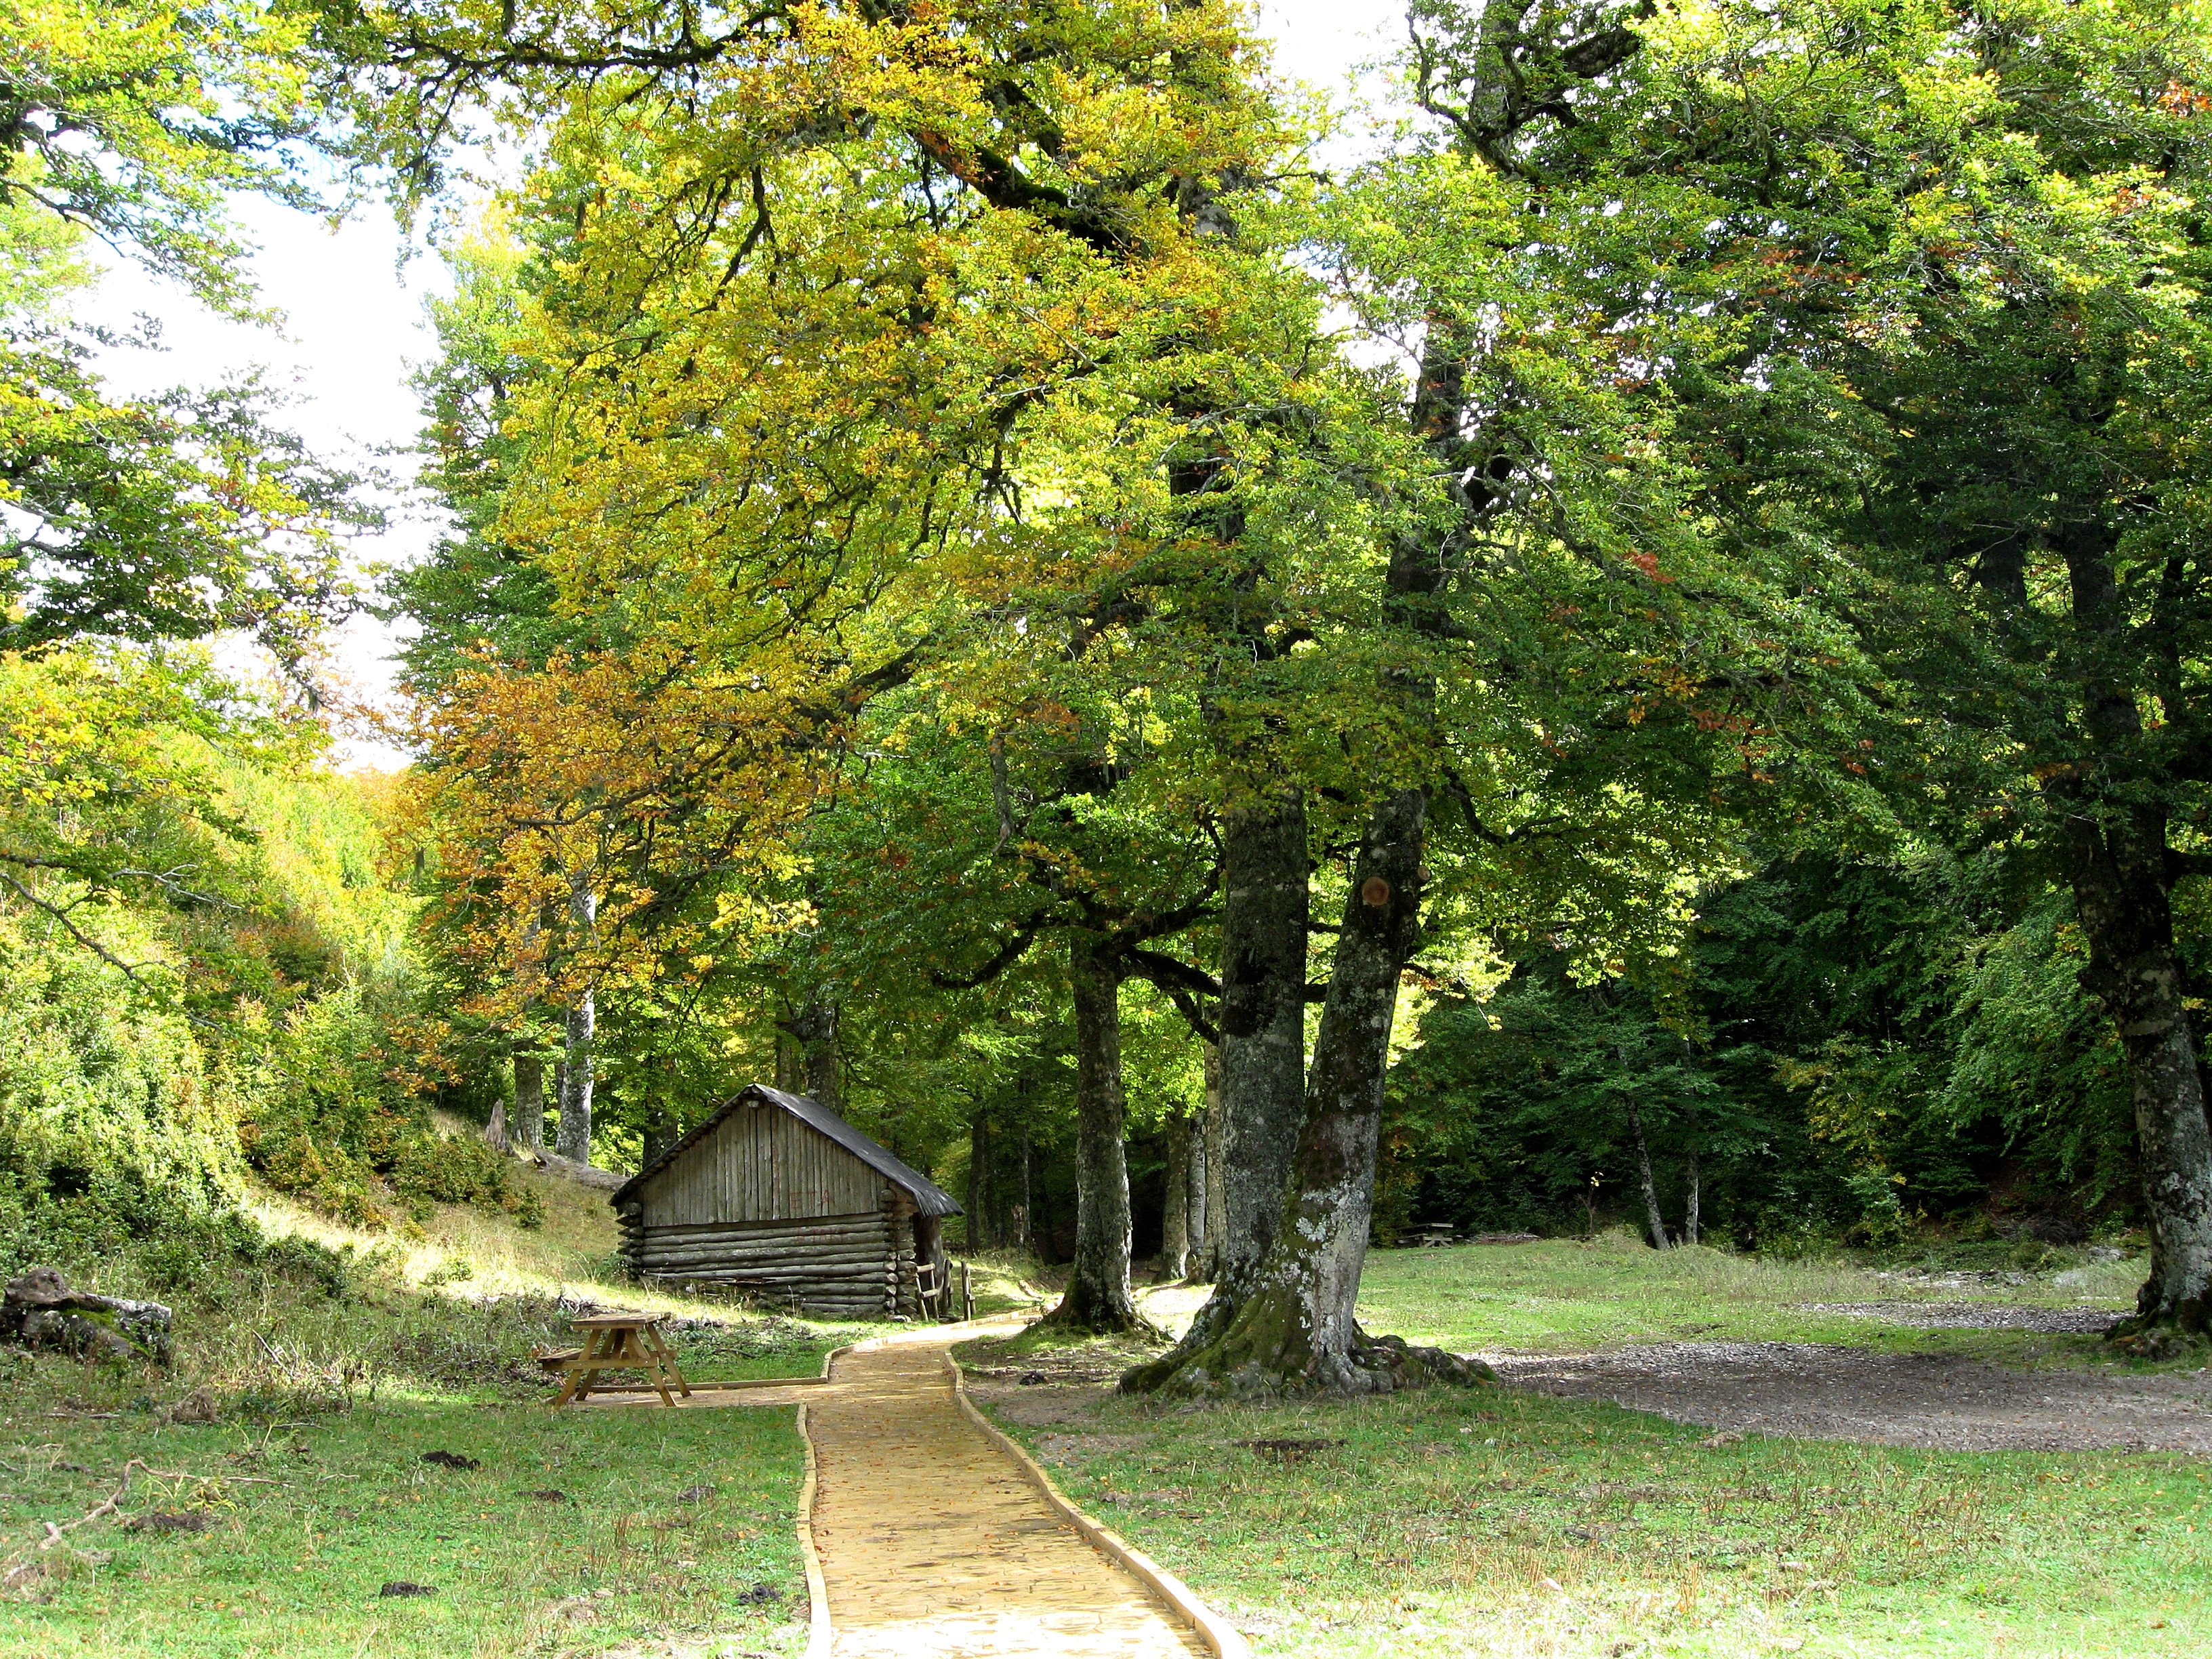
933	1543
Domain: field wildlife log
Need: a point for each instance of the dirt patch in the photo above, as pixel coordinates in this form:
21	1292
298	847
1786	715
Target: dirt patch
1821	1392
1038	1408
1055	1447
1976	1316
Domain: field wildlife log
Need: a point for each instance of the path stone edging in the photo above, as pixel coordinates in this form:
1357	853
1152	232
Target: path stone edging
818	1634
1213	1630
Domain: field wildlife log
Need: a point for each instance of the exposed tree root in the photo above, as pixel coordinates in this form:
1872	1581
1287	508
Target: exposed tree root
1080	1315
1235	1368
2163	1333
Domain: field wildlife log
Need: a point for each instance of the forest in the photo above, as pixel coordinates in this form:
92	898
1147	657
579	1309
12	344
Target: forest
1617	644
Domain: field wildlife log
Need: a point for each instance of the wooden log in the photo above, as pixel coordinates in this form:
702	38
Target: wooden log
711	1270
747	1248
861	1222
769	1239
846	1287
773	1257
771	1246
757	1244
750	1252
734	1253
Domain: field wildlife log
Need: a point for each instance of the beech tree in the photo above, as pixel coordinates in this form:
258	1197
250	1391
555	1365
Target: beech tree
842	181
1952	254
1583	678
133	530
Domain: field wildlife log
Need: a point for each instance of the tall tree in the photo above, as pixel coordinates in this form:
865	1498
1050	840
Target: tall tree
1969	361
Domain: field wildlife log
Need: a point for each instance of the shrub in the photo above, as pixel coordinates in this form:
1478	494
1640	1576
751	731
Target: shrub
109	1130
462	1169
324	1174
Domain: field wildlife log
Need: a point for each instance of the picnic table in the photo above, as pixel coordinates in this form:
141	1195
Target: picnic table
1431	1235
616	1342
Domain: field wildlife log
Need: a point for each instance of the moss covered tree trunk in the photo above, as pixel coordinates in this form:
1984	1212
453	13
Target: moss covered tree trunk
1099	1297
1294	1331
2122	877
1206	1224
1261	1065
527	1126
1286	1325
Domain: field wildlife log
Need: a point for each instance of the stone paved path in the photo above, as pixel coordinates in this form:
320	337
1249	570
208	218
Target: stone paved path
934	1543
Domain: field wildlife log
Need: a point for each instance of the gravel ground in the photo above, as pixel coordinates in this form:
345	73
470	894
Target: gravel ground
1976	1316
1818	1392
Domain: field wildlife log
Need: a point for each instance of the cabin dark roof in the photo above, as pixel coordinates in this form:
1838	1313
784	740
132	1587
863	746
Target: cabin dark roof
929	1198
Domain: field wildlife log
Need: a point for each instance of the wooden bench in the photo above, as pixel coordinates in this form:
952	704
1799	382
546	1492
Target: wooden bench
617	1341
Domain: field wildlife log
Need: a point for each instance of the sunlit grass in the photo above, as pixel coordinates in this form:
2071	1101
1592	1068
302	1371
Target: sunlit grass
1494	1524
1487	1522
314	1490
1565	1295
307	1521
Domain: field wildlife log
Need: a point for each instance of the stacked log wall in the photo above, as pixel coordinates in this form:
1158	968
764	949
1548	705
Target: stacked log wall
845	1265
898	1219
767	1205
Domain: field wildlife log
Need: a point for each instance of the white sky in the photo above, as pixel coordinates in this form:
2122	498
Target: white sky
353	327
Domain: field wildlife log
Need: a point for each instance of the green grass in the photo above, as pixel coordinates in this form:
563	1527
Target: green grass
1491	1523
308	1520
1565	1296
314	1490
1505	1524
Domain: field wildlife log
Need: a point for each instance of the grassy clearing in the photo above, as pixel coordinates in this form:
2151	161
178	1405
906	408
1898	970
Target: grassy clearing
307	1521
329	1387
1502	1524
1565	1296
330	1382
1490	1522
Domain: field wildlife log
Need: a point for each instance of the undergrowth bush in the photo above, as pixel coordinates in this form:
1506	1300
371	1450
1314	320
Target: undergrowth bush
417	1169
463	1169
109	1130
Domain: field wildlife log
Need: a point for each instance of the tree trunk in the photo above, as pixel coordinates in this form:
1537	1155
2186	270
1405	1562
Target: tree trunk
659	1133
495	1130
1690	1174
1658	1223
574	1140
979	1152
1099	1297
1264	873
808	1059
825	1058
1194	1197
1024	1230
529	1120
1209	1258
2116	857
1174	1214
575	1137
1294	1331
2126	914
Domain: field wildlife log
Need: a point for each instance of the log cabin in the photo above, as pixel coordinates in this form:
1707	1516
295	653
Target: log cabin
777	1196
